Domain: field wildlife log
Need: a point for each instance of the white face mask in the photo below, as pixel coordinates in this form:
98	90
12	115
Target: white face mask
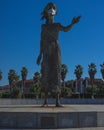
52	11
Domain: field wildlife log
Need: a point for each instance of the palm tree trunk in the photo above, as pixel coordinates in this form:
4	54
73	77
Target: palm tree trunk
92	90
63	84
58	100
10	84
23	85
10	89
46	99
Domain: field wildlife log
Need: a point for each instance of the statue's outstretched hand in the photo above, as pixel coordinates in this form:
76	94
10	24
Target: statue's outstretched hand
76	19
38	60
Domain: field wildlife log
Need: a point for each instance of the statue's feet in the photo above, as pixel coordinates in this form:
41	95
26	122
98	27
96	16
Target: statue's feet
58	105
45	105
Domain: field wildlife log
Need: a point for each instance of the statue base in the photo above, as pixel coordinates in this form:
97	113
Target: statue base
51	117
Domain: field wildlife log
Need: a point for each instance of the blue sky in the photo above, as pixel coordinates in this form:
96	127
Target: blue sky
20	28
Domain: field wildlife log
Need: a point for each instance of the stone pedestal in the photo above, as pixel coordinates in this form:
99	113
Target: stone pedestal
51	117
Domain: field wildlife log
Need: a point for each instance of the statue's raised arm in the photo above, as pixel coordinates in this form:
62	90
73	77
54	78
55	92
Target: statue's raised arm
73	22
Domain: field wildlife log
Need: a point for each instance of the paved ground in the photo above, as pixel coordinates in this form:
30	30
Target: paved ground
51	108
94	128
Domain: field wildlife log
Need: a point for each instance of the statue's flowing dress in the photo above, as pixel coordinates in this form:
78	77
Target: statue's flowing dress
51	63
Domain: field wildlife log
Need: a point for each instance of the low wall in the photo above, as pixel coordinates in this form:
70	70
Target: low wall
34	120
50	101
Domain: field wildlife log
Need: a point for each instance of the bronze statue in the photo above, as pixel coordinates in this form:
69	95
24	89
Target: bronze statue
50	52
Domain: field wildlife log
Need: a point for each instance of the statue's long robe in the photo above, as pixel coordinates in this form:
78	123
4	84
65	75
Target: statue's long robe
51	63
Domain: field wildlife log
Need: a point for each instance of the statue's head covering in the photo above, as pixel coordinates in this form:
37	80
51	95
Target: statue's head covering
45	11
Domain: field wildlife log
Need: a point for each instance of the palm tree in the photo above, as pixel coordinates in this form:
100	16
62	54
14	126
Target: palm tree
24	73
78	71
102	70
92	71
35	88
0	74
12	77
36	76
64	70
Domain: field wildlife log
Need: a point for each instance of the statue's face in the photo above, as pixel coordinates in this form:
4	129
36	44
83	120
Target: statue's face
49	11
52	11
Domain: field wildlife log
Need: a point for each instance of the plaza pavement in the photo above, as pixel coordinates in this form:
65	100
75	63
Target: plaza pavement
93	128
51	108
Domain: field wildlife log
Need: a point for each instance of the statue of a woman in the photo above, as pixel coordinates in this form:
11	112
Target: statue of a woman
50	52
